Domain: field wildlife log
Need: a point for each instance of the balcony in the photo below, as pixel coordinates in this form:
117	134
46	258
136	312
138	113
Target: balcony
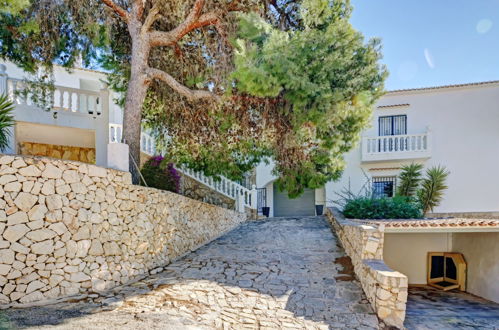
396	147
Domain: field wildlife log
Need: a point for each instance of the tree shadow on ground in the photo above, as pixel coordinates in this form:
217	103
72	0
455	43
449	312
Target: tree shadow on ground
277	273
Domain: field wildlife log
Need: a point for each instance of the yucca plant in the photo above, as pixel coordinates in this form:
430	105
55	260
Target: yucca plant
409	180
6	121
432	188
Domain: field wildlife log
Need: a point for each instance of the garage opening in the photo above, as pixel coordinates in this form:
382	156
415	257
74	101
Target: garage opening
304	205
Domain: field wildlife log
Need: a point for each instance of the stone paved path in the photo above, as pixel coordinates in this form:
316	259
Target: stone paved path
280	273
429	308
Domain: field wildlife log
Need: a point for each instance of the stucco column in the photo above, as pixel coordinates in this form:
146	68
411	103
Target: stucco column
102	128
3	79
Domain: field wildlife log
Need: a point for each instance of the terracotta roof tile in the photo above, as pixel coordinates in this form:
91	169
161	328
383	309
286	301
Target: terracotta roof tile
480	83
439	222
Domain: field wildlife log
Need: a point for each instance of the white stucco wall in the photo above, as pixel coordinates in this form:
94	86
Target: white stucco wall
407	252
464	125
481	253
264	174
58	135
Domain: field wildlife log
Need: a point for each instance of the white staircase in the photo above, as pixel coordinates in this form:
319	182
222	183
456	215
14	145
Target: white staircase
243	197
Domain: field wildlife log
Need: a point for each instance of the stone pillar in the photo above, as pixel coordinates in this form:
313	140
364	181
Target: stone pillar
117	156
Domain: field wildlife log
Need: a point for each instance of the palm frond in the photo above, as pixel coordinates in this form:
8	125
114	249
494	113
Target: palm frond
432	188
409	180
6	121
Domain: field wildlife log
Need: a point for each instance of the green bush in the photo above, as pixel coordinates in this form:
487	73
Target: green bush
6	121
157	175
399	207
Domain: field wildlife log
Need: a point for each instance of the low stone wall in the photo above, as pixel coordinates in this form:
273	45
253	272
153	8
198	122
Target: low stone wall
69	227
385	289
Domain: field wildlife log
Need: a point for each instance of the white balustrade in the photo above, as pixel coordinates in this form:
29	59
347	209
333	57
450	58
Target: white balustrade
396	147
147	144
62	99
242	196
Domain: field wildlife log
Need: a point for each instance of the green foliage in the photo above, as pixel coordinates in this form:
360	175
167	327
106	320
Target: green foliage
329	79
161	175
432	188
13	7
409	180
382	208
296	87
36	34
6	121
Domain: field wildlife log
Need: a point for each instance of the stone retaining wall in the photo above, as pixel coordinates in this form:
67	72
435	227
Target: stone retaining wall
80	154
385	289
68	227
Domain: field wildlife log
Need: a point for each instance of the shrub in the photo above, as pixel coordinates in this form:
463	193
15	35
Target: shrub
432	188
382	208
409	180
158	174
6	121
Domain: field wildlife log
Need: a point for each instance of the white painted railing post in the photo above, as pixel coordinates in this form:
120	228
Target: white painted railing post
3	79
254	197
428	138
102	127
364	142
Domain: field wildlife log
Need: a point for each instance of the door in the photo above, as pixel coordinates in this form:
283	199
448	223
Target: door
388	126
304	205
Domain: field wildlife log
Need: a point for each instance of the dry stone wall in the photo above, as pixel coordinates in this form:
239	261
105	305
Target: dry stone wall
385	289
85	155
68	227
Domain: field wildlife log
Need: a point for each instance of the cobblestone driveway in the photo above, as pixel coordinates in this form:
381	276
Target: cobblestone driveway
278	273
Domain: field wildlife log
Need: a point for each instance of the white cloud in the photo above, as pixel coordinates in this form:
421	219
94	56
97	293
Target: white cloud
429	58
484	26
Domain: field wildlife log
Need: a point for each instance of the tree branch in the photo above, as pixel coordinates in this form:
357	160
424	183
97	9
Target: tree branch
152	16
194	20
190	94
158	38
117	9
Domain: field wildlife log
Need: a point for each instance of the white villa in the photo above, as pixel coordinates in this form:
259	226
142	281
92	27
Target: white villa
455	126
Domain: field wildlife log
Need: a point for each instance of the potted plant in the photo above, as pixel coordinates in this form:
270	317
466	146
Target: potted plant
266	211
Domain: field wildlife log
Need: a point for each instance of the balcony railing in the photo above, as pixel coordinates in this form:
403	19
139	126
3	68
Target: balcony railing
65	99
396	147
243	197
147	145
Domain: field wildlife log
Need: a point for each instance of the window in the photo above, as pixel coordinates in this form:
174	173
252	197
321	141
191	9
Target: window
392	125
384	186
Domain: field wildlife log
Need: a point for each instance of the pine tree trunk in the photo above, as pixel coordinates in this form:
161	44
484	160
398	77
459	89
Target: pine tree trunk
136	94
132	124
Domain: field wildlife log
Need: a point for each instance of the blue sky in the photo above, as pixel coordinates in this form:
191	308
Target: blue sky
433	42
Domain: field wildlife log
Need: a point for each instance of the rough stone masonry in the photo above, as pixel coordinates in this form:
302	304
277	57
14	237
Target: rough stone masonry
68	227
